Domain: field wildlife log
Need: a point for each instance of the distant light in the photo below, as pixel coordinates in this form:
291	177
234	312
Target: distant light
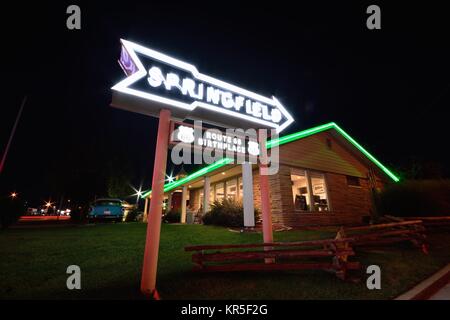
223	172
138	193
170	178
13	195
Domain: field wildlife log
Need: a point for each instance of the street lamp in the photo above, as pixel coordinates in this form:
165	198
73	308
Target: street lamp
48	204
14	195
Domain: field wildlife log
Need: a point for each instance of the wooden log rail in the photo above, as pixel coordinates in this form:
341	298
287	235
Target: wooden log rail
436	221
412	231
329	255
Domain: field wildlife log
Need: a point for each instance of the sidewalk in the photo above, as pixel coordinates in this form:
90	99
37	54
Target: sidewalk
443	294
436	287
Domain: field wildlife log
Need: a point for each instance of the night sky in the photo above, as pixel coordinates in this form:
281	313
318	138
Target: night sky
388	88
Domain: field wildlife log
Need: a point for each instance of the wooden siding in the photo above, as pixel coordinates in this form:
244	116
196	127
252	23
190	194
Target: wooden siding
349	205
313	153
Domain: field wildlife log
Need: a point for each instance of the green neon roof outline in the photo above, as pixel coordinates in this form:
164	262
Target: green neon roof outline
278	142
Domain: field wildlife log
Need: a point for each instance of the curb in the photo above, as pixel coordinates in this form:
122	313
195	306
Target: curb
428	287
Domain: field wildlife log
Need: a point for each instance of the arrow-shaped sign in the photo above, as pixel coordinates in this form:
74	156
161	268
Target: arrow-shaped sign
160	78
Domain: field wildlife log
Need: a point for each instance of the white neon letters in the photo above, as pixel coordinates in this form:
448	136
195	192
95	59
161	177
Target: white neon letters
197	90
217	140
225	99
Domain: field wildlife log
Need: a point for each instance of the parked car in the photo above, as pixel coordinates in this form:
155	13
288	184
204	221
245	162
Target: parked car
106	209
32	211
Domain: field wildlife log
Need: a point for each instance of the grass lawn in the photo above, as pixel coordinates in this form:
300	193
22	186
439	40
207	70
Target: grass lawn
33	264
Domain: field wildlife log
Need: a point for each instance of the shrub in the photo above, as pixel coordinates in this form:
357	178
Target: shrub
173	216
133	215
227	213
415	198
10	211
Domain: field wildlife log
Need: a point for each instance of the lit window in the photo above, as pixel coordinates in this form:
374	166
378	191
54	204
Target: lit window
300	190
211	194
220	191
320	197
305	199
201	198
241	188
231	189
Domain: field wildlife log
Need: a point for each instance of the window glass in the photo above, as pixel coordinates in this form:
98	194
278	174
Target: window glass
211	194
220	191
300	190
241	192
231	189
201	199
319	191
106	203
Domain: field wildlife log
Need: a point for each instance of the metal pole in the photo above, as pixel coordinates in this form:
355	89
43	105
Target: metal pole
2	164
149	269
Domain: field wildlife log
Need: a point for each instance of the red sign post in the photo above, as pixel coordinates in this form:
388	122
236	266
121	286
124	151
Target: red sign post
149	268
164	87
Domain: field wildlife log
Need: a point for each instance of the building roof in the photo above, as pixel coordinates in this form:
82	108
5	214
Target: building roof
278	142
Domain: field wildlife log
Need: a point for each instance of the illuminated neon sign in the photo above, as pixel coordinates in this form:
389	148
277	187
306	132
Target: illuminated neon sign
215	139
160	78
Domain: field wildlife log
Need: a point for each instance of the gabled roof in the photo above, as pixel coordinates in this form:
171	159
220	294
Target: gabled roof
278	142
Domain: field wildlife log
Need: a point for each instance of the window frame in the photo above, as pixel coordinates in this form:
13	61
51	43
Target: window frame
236	184
353	185
308	175
235	178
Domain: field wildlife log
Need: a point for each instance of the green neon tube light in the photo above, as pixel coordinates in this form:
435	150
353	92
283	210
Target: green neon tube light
331	125
278	142
298	135
172	185
366	153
